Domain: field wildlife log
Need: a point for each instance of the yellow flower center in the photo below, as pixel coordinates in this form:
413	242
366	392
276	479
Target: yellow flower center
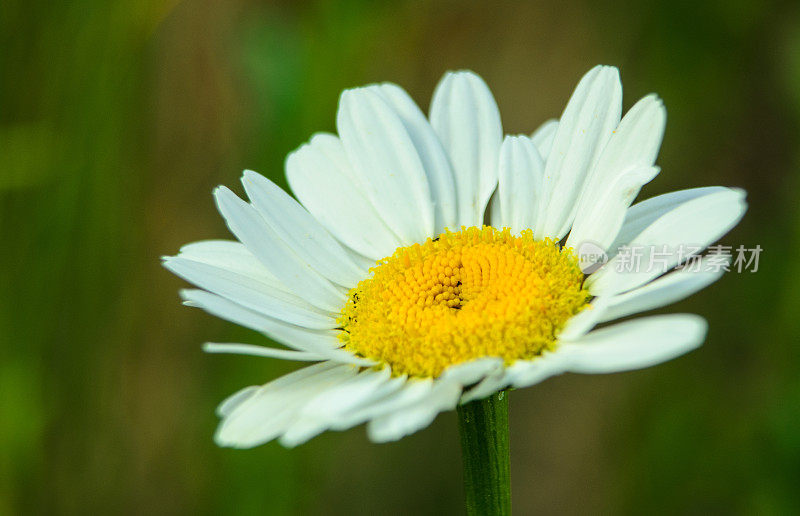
465	295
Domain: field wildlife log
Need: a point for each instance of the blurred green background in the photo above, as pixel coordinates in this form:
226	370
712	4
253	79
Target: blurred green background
117	118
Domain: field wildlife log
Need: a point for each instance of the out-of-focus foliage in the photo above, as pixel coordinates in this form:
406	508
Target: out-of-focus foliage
118	118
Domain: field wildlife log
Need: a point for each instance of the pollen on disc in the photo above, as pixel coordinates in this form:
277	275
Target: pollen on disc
478	292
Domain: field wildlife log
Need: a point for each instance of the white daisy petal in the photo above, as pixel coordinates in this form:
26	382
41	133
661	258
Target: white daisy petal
261	351
599	222
328	408
634	344
412	417
696	223
666	290
494	209
386	163
231	256
543	137
431	153
644	213
519	184
283	262
624	166
524	373
496	381
585	320
590	117
349	394
270	411
295	226
340	356
465	117
371	405
321	343
343	356
235	399
362	261
389	399
290	335
251	293
320	175
471	372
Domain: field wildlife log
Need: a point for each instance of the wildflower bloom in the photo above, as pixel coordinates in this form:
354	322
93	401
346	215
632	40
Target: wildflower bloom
431	261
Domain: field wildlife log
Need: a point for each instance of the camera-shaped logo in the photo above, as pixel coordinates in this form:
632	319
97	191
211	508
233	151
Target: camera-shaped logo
590	257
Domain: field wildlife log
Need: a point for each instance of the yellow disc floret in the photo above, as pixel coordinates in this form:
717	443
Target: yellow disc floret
465	295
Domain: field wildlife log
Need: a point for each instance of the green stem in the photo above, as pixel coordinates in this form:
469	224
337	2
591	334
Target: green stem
483	425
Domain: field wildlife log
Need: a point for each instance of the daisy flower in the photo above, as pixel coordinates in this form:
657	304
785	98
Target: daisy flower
431	261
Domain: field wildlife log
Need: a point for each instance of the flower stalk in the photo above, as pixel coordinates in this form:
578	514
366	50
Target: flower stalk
483	426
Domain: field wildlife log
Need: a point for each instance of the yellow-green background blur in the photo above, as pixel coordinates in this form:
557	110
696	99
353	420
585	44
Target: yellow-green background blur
117	118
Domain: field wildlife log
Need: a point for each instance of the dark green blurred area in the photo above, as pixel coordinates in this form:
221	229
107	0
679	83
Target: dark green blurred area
118	118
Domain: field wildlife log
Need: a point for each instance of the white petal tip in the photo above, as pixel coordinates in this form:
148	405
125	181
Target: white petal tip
636	344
